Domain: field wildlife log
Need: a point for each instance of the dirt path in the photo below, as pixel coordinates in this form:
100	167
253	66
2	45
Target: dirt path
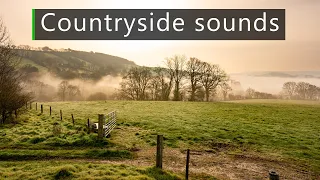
221	166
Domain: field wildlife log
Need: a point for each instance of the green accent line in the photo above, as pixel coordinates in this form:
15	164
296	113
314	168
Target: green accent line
33	24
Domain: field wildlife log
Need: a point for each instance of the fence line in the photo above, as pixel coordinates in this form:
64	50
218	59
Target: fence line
110	121
110	125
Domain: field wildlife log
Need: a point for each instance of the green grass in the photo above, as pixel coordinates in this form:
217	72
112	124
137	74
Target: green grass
276	101
64	154
25	61
83	170
283	130
38	132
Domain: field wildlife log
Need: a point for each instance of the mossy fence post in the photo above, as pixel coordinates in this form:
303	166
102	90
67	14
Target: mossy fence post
50	110
89	130
61	115
187	164
273	175
159	151
72	119
36	106
41	109
100	126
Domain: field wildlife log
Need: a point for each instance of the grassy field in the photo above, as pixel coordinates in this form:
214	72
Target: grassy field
83	170
284	131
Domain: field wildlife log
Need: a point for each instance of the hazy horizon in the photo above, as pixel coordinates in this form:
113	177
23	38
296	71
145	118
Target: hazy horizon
299	52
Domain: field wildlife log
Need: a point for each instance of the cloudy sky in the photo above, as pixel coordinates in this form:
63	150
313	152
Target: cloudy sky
299	52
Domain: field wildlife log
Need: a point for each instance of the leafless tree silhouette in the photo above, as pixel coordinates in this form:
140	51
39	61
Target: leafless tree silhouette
12	95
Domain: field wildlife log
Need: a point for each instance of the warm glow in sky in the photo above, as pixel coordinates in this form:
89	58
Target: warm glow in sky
300	51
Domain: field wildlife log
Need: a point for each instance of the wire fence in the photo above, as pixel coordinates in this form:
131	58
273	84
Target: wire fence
109	121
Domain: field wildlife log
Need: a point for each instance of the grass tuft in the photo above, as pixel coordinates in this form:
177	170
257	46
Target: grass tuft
64	173
159	174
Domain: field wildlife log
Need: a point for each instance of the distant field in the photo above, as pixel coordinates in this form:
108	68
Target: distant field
277	101
284	131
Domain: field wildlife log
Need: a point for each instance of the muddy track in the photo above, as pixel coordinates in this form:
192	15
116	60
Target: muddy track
221	166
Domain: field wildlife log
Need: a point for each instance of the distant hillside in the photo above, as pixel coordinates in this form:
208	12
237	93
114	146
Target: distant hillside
70	64
284	74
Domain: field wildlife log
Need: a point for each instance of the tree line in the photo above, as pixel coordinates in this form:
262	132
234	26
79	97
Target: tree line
181	79
64	91
300	91
253	94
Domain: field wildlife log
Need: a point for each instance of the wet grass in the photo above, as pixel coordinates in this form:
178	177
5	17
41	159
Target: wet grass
76	170
285	130
102	154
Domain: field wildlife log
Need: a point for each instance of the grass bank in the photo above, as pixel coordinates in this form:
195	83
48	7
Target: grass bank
83	170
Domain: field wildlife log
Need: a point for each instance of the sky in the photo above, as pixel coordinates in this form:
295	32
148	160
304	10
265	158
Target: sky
299	52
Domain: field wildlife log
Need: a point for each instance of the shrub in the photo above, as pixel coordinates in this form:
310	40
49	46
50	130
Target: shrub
159	174
37	140
97	96
57	129
65	172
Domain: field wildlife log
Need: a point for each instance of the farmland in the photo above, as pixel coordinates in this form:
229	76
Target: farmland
222	136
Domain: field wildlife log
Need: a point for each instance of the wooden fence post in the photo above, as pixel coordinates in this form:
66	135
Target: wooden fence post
61	115
50	110
187	164
41	109
88	126
273	175
36	106
72	119
159	151
100	126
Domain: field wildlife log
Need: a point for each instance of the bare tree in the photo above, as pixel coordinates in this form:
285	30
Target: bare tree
68	91
155	86
176	69
135	83
73	92
40	90
302	90
318	94
127	90
12	96
289	89
250	93
162	82
144	77
225	89
312	92
211	77
194	66
63	90
4	34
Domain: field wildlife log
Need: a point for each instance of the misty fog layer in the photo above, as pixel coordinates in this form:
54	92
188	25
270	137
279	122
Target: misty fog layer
107	84
269	84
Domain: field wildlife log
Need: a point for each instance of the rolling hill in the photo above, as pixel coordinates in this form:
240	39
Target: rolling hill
71	64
